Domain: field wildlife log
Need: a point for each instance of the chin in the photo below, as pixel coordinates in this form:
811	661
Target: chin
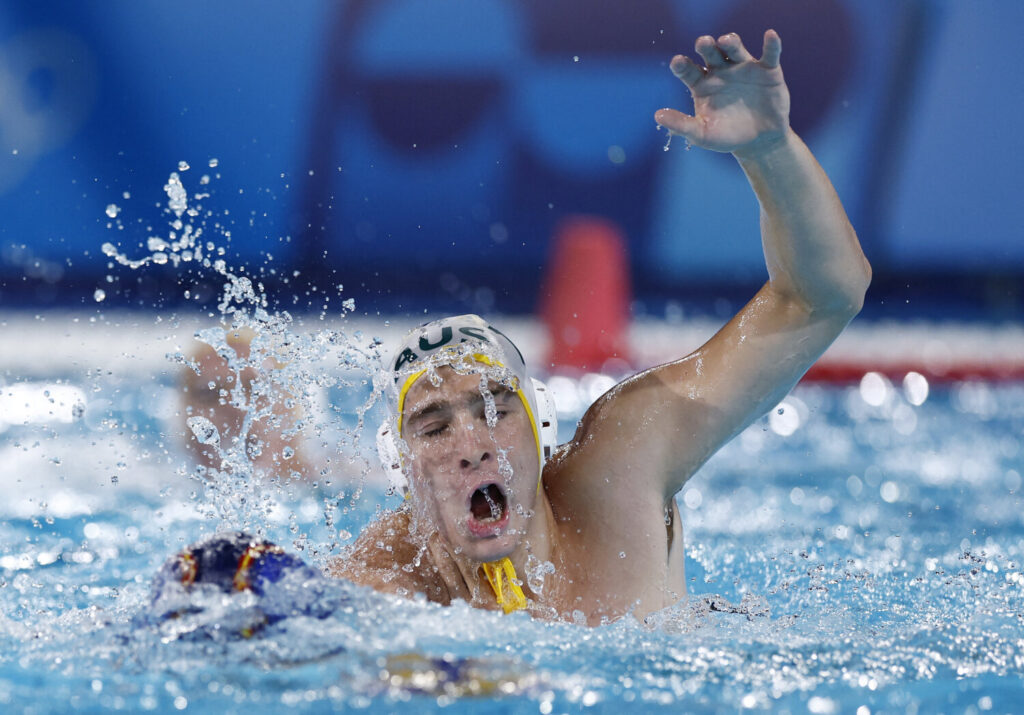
491	549
482	548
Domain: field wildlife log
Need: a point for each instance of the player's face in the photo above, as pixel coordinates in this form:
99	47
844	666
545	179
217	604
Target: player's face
476	481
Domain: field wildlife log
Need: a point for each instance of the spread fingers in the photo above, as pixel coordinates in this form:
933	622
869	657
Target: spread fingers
733	48
708	50
686	69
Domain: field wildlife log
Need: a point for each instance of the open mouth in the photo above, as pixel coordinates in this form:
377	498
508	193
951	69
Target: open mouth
488	509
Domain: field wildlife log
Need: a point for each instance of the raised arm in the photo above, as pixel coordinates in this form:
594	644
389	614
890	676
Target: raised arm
661	425
742	106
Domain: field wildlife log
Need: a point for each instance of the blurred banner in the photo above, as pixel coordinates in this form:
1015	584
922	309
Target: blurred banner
425	153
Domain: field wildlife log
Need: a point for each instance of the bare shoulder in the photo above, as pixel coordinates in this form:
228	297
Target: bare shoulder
388	558
638	441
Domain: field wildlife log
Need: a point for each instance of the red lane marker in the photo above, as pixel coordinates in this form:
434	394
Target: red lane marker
850	372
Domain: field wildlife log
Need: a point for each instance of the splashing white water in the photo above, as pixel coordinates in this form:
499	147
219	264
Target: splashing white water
272	386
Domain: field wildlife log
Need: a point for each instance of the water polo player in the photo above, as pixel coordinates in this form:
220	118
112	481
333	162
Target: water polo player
590	531
593	533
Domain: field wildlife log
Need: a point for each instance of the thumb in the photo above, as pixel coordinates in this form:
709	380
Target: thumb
678	123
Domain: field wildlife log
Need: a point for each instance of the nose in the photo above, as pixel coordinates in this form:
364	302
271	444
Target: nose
474	447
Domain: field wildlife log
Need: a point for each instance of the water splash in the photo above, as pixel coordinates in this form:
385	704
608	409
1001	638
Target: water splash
176	195
272	383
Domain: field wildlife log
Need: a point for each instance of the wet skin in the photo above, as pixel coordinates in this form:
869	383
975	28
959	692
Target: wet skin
455	452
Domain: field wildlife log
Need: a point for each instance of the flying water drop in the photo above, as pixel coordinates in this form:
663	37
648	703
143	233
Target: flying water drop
204	430
176	195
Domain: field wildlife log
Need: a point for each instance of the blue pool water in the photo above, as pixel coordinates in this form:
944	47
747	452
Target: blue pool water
857	550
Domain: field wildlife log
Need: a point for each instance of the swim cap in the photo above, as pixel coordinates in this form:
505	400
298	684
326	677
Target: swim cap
448	342
232	562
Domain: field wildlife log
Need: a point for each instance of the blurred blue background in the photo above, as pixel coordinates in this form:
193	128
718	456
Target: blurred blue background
423	153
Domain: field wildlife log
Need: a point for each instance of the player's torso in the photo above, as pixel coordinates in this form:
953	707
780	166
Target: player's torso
619	558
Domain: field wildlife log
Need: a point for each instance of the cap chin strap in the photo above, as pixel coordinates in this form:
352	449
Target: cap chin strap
501	574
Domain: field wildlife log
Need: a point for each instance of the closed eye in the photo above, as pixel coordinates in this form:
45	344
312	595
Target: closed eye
434	430
500	412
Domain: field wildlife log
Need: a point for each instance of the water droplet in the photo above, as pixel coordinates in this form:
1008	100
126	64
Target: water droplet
176	194
183	166
214	163
287	453
575	58
99	294
113	210
622	554
204	430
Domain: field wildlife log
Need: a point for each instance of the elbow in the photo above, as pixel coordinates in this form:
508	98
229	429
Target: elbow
837	291
845	294
859	288
851	292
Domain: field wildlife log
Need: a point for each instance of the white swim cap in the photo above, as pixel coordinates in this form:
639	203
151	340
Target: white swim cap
444	342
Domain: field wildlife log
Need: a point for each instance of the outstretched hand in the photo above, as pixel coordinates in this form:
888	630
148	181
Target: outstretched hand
741	104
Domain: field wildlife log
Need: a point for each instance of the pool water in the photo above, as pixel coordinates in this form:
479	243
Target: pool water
859	550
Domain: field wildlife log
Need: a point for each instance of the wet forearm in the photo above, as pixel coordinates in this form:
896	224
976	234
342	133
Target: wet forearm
811	249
